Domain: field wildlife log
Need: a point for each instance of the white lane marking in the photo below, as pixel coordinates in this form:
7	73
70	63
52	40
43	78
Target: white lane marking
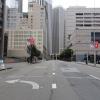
53	73
54	86
95	77
76	77
34	84
70	70
12	81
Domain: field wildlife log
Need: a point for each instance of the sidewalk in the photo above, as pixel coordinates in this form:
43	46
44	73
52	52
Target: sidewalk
7	63
89	64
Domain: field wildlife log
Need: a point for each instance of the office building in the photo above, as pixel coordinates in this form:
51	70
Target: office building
47	4
17	45
58	30
81	25
30	24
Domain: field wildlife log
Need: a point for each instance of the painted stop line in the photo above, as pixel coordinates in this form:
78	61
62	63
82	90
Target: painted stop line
34	84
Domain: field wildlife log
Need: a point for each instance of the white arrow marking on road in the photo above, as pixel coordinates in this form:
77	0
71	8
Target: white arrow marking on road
34	84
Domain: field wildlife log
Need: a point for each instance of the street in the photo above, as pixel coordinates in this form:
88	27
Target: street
50	80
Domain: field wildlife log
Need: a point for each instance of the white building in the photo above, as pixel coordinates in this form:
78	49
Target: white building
58	30
30	24
81	24
17	42
48	25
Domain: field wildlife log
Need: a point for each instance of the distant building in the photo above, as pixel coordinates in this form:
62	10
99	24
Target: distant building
58	30
2	10
80	26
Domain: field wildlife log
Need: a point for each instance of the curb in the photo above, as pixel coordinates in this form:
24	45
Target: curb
6	69
88	65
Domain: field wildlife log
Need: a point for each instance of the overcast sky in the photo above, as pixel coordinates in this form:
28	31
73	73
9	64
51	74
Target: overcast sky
67	3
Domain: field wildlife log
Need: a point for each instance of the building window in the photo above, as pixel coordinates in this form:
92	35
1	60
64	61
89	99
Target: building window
79	17
79	13
87	25
79	21
88	21
97	36
96	25
87	13
79	25
87	17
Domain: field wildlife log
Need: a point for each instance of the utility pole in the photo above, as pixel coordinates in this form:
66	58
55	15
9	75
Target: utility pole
94	52
2	9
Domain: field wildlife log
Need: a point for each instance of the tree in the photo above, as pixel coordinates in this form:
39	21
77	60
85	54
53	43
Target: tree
66	54
33	52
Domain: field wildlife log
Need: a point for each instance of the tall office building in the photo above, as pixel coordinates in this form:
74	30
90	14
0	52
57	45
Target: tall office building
13	18
31	24
48	23
58	30
15	4
20	5
2	7
82	24
40	2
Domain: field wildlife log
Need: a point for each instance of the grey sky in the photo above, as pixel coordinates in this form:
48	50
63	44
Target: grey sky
67	3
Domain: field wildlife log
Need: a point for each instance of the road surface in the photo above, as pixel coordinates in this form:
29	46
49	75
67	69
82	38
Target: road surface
50	80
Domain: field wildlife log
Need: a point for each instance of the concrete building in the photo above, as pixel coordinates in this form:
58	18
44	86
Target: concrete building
17	45
40	2
2	10
82	28
13	18
47	4
30	24
20	6
58	30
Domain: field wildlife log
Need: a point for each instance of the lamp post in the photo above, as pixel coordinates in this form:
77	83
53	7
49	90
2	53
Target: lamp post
94	51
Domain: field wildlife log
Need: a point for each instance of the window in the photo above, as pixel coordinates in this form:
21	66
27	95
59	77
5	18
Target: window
79	25
79	13
87	13
79	17
96	25
79	21
87	25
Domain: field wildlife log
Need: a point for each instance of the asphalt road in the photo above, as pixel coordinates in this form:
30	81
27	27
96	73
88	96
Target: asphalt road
50	80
